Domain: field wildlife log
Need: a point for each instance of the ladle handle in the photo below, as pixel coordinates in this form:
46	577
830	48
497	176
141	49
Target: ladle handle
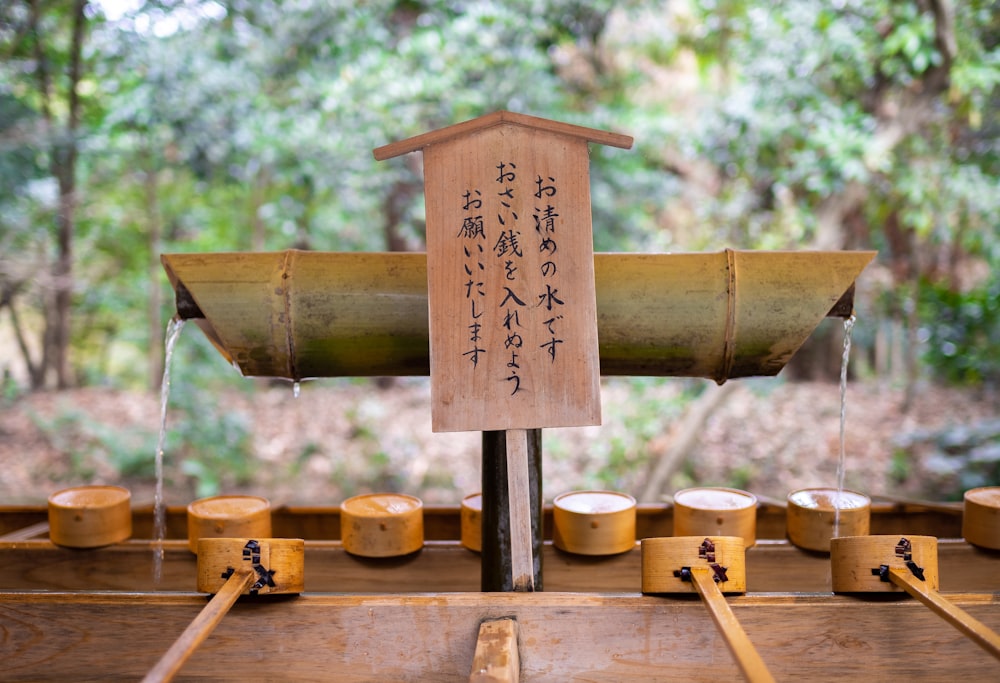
971	627
749	661
202	627
28	532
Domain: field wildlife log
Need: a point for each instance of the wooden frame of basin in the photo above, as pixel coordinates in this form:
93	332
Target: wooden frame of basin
97	614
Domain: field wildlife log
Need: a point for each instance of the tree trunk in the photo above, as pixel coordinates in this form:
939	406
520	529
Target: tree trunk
62	162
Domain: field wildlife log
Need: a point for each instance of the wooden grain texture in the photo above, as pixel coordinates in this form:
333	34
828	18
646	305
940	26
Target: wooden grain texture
201	627
604	524
25	533
90	516
971	627
278	564
496	659
812	526
749	660
666	561
857	561
695	514
519	498
510	281
382	524
565	637
228	517
981	517
442	522
472	522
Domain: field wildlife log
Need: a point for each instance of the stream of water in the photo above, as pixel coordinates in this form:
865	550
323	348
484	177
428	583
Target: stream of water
842	459
174	328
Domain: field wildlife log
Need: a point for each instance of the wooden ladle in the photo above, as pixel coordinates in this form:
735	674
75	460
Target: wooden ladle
710	566
879	564
229	568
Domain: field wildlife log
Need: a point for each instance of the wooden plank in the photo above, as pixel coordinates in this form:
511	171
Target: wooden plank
496	118
31	531
510	282
496	658
747	658
432	637
972	628
442	522
201	627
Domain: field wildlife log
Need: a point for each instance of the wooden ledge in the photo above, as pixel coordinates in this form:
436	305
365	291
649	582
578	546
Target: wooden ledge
432	637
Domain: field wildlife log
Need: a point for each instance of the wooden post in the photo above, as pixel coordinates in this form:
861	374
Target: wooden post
972	628
511	294
496	570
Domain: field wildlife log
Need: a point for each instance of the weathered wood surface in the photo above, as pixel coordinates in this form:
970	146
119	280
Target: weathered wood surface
442	523
751	664
442	566
201	627
496	659
63	636
510	280
977	631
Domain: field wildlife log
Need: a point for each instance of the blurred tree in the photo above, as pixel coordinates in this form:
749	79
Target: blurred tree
846	125
43	50
209	125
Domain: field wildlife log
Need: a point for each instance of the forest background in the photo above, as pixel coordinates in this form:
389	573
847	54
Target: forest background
131	128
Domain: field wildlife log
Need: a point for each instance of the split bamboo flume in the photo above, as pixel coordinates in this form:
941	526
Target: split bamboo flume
301	315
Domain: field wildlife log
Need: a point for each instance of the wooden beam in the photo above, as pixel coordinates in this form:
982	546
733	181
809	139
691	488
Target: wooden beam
104	636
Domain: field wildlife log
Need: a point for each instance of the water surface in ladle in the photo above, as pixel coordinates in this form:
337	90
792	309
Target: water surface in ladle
174	328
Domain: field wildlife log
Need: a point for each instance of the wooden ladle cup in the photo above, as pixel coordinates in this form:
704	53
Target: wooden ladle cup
885	564
229	568
709	566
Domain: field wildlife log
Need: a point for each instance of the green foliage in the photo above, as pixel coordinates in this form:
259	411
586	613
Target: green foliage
91	447
619	458
909	48
961	331
249	125
212	443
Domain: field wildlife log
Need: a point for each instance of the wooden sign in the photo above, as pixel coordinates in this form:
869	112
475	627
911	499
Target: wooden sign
512	303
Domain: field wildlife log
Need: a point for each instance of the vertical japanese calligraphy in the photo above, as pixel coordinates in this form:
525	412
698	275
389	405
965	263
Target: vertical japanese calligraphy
515	302
472	236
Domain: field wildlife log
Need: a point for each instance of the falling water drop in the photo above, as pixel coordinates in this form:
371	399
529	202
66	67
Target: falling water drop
842	460
174	328
296	389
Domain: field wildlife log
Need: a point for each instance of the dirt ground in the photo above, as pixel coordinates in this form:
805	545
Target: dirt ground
767	436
